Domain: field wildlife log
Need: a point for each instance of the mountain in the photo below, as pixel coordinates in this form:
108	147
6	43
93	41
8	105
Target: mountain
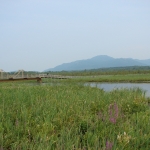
101	61
146	61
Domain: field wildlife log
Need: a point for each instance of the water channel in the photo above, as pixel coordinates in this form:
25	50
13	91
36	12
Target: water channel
111	86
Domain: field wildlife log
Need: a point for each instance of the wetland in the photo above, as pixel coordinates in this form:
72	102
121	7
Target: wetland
66	114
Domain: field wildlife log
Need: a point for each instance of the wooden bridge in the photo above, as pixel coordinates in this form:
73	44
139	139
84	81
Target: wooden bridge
21	75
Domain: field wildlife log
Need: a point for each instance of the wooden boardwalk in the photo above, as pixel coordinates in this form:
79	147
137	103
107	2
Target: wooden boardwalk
21	75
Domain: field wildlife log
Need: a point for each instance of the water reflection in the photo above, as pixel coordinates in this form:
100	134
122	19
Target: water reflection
112	86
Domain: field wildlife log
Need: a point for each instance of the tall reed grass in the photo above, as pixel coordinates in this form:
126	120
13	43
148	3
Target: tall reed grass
72	117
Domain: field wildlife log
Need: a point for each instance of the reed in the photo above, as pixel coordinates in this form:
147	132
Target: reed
67	116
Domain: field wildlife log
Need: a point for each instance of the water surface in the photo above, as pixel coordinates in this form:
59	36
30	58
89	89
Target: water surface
111	86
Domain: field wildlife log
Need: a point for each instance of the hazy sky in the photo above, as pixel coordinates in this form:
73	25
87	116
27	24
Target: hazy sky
40	34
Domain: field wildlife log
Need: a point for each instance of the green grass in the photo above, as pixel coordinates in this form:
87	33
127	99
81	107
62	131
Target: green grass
113	78
70	116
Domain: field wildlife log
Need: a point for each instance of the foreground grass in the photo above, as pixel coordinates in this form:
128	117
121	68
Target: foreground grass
72	117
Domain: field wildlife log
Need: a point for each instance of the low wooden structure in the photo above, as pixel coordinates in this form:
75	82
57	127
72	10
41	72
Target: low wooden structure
22	75
21	79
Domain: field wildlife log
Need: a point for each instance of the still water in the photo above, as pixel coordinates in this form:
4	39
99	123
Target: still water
111	86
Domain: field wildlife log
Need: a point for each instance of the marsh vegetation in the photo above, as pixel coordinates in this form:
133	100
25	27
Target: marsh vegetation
72	116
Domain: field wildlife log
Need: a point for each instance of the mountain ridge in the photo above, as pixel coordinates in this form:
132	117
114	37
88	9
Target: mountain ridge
100	61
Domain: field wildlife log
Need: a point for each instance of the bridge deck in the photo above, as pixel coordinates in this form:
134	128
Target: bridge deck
39	79
20	79
22	75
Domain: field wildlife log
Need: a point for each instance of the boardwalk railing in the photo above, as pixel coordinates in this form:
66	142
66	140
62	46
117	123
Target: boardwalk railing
21	74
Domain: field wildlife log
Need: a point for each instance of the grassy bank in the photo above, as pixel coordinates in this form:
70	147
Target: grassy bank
71	116
113	78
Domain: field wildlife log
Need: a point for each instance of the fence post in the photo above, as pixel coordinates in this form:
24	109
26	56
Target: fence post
39	80
22	73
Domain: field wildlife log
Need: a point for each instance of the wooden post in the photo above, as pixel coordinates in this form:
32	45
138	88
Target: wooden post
39	80
1	75
22	73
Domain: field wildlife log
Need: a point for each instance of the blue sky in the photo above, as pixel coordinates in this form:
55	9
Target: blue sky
40	34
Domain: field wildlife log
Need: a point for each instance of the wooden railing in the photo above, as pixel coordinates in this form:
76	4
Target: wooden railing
21	74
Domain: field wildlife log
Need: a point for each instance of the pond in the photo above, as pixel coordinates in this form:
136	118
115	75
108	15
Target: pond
112	86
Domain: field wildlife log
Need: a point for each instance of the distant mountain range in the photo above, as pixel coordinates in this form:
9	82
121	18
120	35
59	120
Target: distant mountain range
101	61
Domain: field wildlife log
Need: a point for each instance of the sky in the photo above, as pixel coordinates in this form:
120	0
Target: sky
36	35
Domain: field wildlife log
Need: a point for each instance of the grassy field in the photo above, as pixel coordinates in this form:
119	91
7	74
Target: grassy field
113	78
70	116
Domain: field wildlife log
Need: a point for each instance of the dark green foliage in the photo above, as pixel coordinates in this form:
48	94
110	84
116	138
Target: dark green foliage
83	127
106	71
